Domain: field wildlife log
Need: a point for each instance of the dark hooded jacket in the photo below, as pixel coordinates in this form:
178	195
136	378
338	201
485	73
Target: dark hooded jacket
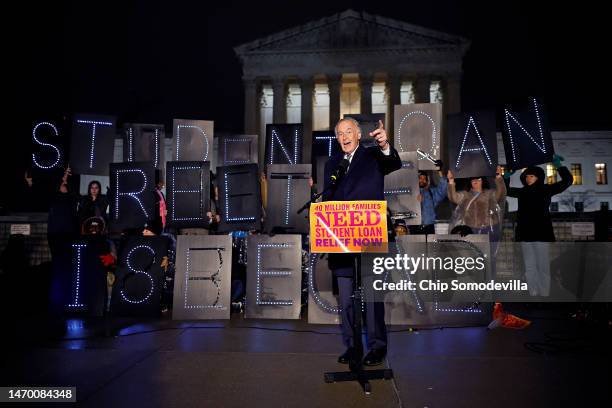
533	221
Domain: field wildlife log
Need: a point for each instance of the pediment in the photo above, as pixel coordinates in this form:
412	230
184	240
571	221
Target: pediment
352	30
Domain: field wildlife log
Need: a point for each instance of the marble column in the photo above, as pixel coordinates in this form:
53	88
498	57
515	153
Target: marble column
421	89
279	109
394	84
452	94
365	83
334	83
261	138
307	115
251	106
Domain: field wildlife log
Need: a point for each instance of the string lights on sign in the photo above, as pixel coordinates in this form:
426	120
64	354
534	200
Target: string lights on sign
94	124
215	278
132	194
330	142
508	116
178	139
229	218
483	148
138	272
261	273
227	141
77	277
434	131
174	192
57	151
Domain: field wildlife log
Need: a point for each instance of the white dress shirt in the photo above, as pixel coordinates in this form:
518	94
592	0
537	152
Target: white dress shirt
349	156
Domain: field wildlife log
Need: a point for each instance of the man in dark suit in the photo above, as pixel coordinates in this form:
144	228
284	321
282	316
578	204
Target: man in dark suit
364	180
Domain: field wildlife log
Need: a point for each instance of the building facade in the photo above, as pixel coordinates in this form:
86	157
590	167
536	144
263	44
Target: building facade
588	155
355	62
351	62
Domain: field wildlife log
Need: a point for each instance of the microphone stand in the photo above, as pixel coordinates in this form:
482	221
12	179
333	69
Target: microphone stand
316	197
356	373
336	177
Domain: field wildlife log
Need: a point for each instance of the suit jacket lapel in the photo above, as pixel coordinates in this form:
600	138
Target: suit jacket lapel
356	159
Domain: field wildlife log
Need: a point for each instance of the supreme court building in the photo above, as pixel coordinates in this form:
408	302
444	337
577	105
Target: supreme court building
359	63
348	63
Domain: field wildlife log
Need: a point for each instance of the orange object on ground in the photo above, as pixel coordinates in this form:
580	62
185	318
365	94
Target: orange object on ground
506	320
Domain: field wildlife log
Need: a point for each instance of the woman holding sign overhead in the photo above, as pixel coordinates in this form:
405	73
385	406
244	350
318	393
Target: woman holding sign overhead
534	226
479	208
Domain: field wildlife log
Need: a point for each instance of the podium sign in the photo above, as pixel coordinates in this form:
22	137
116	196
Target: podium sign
348	226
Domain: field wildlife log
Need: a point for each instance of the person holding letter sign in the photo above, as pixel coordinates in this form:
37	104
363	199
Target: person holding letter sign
479	208
365	169
430	197
534	226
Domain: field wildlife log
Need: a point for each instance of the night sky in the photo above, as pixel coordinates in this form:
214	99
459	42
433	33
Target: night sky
153	61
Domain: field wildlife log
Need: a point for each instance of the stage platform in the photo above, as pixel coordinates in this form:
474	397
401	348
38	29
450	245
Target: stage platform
261	363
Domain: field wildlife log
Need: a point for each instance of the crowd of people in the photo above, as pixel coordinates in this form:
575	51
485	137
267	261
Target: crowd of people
478	209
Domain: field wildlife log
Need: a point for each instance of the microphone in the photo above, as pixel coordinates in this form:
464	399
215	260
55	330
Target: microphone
334	179
429	157
340	171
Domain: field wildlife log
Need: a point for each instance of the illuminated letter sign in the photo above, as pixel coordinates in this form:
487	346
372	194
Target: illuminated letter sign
132	197
322	305
274	276
417	126
239	197
139	277
92	144
188	193
324	146
288	190
239	149
527	138
472	144
401	190
203	277
142	142
51	157
284	144
192	140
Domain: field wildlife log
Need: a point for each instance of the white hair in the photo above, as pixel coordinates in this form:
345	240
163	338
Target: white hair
352	120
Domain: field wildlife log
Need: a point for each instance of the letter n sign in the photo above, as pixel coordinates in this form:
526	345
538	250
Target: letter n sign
526	134
284	144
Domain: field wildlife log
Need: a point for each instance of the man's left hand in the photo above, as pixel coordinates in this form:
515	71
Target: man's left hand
380	135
